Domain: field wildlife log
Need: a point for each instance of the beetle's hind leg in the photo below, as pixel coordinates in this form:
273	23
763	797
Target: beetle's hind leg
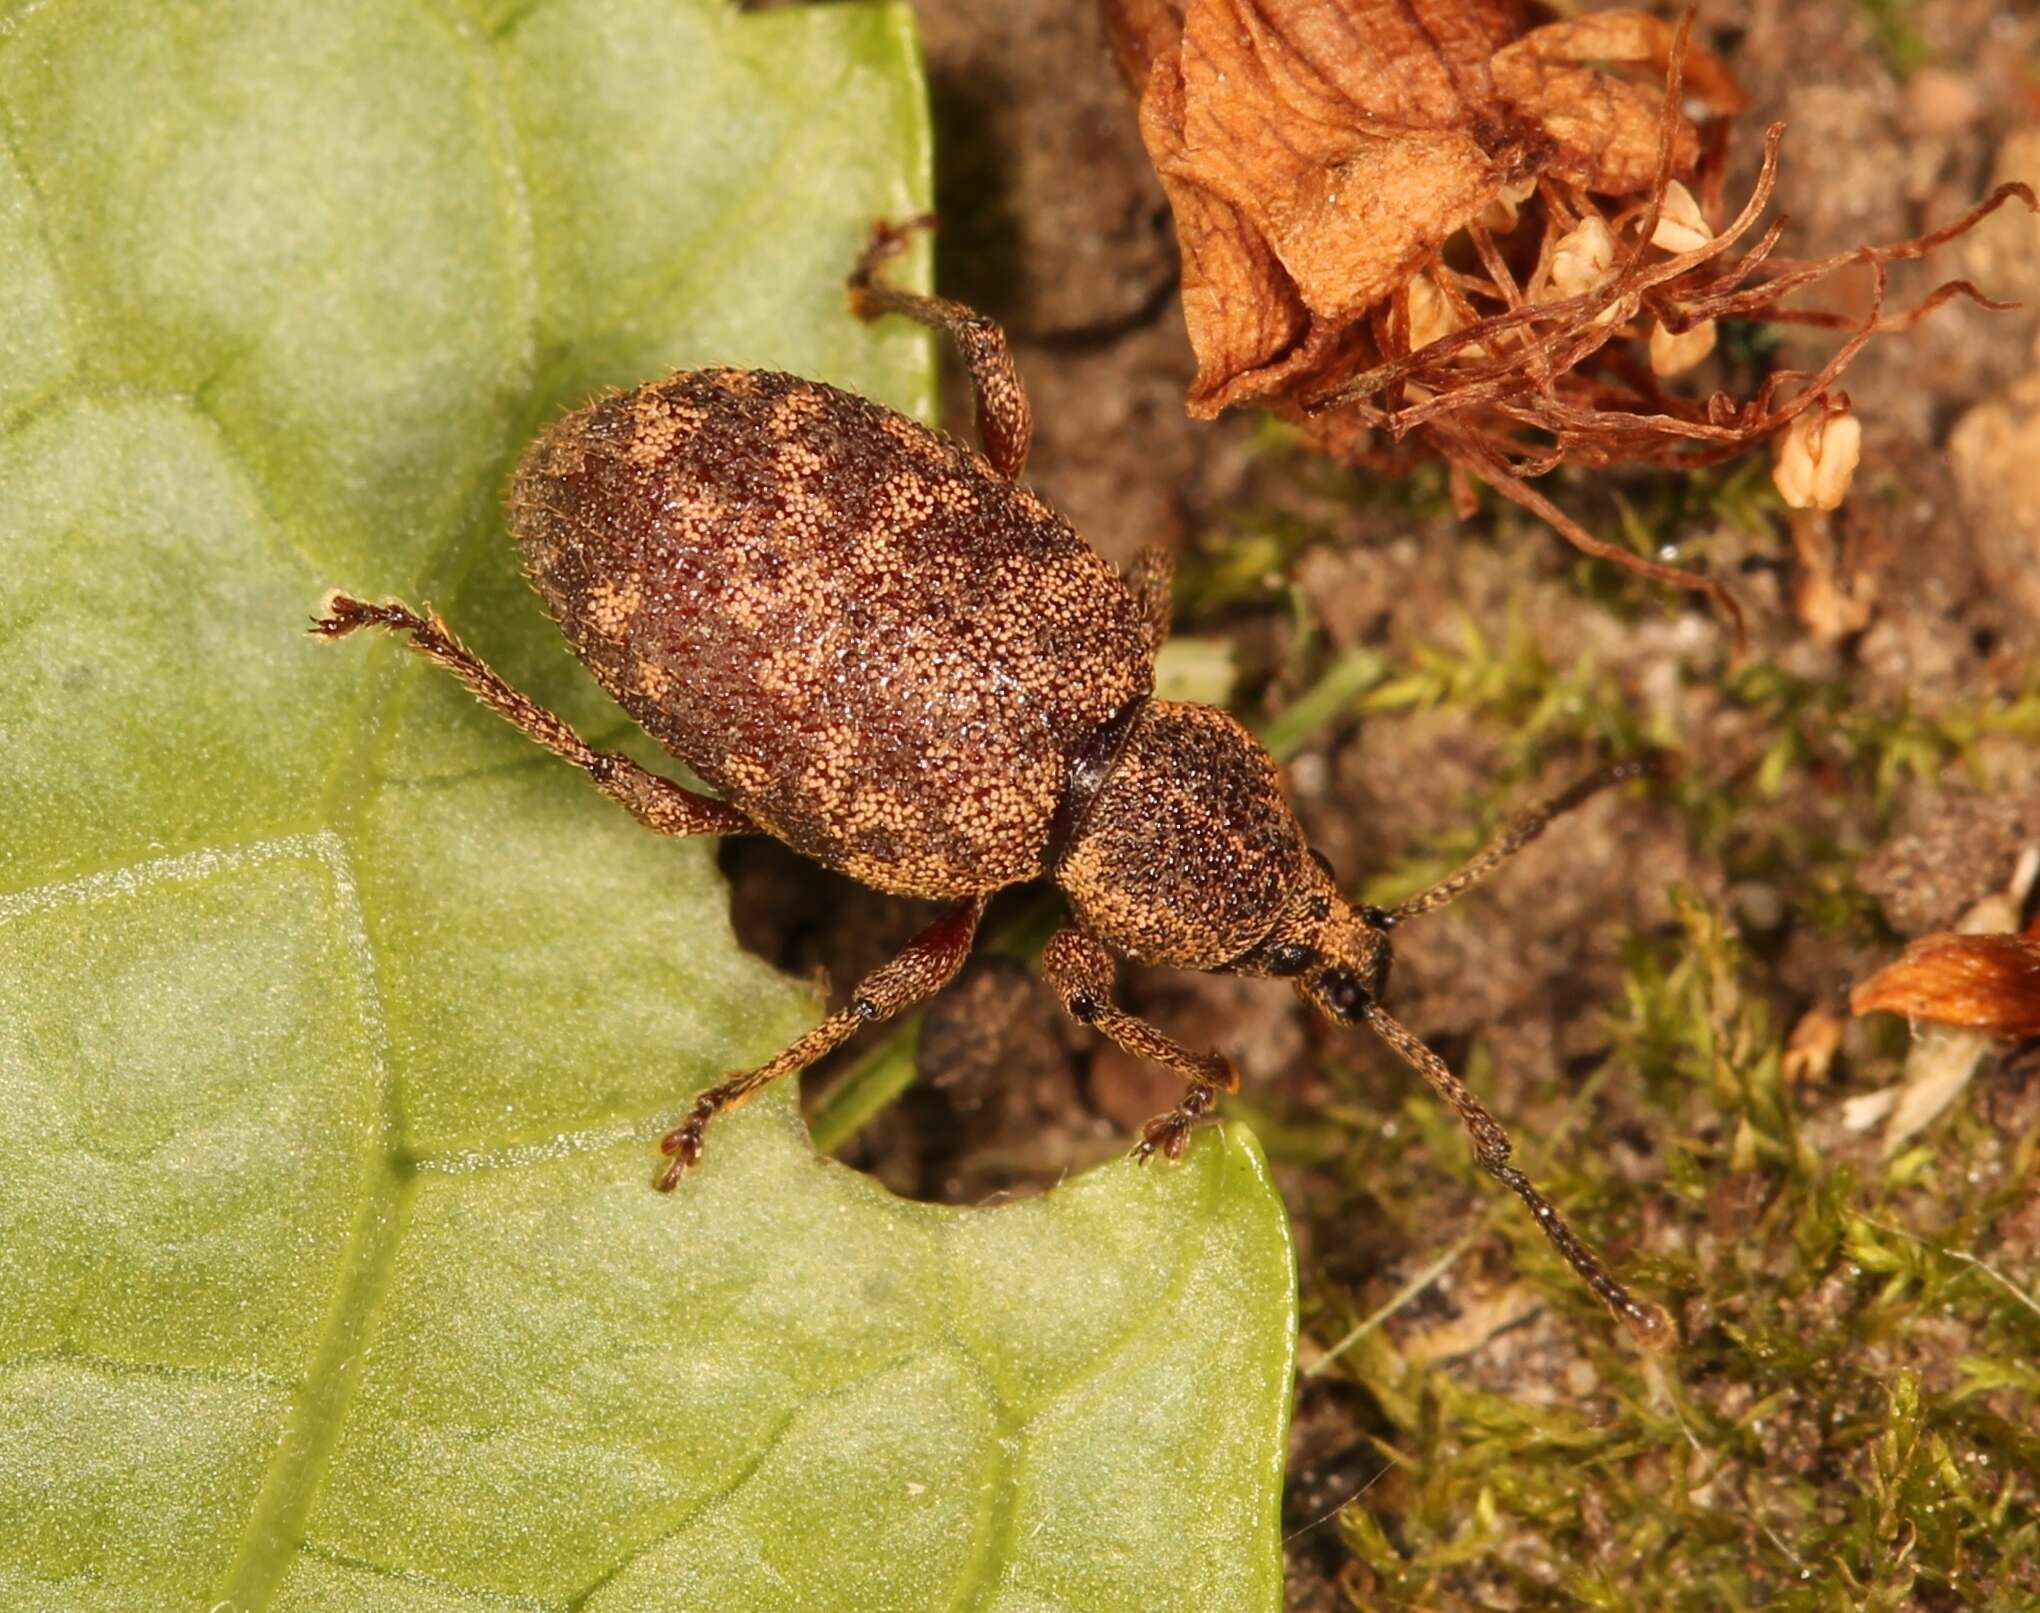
927	964
1005	420
1079	972
656	802
1151	579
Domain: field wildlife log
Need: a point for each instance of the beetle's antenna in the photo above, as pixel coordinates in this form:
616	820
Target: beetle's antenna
1659	764
1650	1323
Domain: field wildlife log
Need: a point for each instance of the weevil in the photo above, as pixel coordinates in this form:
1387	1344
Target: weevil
880	648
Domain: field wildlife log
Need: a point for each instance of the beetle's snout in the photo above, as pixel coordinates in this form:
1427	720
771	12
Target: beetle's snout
1357	957
1340	994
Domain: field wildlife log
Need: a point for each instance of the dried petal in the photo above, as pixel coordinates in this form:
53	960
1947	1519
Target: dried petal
1605	127
1675	353
1816	459
1288	242
1811	1048
1989	983
1500	215
1398	119
1142	32
1431	313
1584	259
1680	228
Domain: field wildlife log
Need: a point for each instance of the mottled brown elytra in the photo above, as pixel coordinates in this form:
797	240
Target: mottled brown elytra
881	649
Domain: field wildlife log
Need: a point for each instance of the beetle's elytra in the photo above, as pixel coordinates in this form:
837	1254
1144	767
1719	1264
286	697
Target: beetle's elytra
847	624
881	649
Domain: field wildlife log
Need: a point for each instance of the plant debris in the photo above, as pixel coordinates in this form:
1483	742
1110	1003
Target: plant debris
1974	985
1989	983
1425	228
1980	976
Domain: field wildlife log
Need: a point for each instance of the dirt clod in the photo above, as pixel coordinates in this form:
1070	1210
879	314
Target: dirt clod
1955	850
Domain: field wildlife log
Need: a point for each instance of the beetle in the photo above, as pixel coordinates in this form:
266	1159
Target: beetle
879	647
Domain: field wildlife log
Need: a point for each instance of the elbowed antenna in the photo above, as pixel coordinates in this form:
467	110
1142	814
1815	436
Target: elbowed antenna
1651	1324
1657	764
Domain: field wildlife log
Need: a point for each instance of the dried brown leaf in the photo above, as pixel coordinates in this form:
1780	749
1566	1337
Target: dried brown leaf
1605	129
1307	184
1989	983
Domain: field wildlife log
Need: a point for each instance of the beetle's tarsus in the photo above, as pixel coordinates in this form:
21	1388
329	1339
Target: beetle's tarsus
341	614
658	803
889	238
683	1142
1169	1134
682	1145
924	966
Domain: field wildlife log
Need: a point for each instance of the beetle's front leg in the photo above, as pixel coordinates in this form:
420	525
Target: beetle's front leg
925	965
1079	972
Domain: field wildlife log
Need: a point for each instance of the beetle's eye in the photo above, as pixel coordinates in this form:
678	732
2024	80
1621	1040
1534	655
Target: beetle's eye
1341	992
1290	958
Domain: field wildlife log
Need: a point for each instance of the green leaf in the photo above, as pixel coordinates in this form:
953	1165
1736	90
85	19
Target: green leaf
335	1018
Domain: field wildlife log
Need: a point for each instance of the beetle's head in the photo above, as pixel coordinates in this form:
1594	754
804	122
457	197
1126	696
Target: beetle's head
1336	955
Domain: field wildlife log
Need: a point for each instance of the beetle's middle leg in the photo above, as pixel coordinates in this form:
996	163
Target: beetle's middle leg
1004	418
656	802
1079	972
927	964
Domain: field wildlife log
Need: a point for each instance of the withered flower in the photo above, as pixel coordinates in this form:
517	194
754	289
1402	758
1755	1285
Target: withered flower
1426	227
1963	989
1815	459
1987	983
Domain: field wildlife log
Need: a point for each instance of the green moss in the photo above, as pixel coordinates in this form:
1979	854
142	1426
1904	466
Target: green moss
1899	39
1848	1424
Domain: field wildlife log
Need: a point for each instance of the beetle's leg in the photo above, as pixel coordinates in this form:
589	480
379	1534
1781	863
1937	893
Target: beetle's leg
656	802
1005	422
926	964
1152	582
1079	972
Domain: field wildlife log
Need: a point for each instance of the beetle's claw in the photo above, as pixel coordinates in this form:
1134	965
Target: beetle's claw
1167	1134
341	614
1171	1132
889	237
